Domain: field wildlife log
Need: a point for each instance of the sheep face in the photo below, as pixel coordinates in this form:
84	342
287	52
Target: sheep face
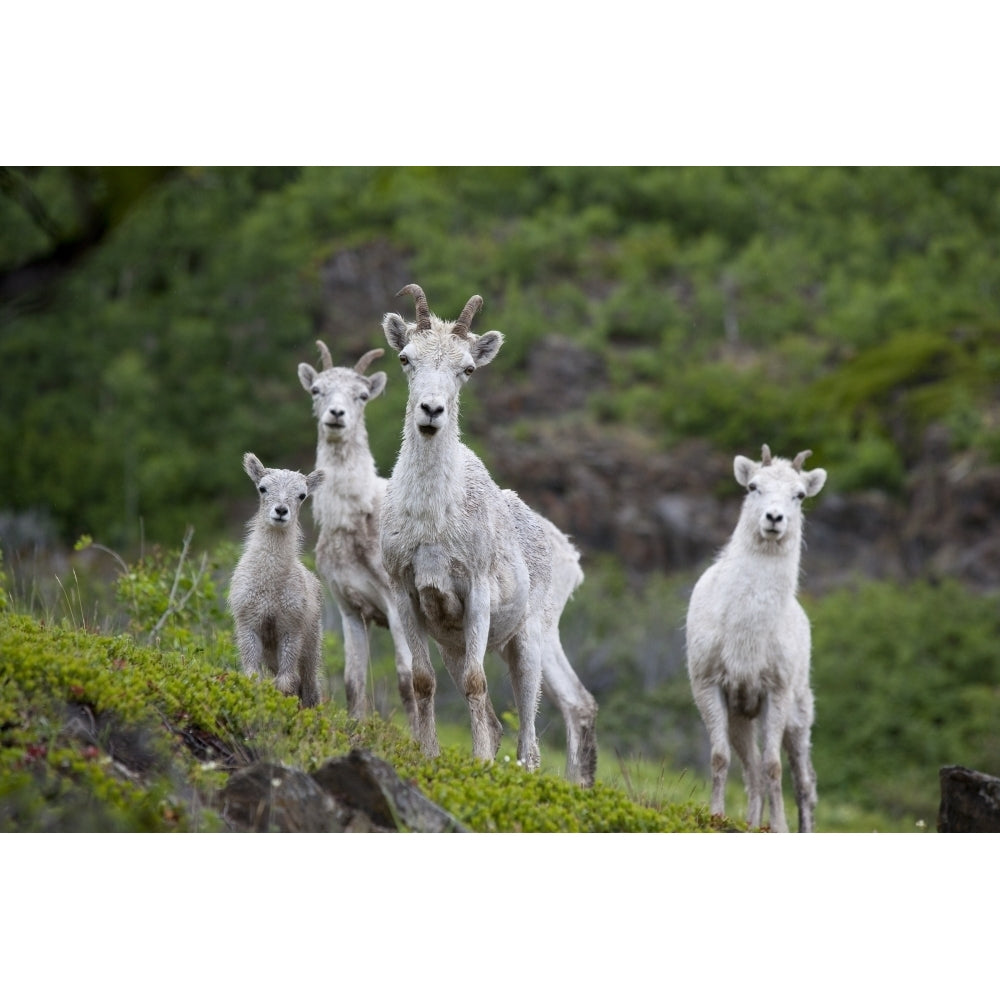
437	364
340	396
776	487
281	491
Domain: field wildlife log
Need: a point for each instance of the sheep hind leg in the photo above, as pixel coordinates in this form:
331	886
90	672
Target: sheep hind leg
523	656
796	744
579	711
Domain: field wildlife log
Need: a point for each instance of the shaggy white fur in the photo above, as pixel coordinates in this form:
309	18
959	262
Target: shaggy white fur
471	566
748	643
275	601
347	508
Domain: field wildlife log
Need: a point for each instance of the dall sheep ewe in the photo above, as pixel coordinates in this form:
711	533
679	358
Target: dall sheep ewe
346	509
275	601
748	643
471	565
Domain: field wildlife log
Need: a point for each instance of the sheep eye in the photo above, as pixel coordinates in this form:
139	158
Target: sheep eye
470	369
263	489
752	488
363	397
800	495
404	360
315	390
302	496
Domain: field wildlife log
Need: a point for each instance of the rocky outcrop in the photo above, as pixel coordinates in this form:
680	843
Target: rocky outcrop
970	801
359	793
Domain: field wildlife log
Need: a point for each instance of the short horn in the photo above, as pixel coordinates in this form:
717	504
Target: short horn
366	359
799	459
324	354
765	455
462	324
423	310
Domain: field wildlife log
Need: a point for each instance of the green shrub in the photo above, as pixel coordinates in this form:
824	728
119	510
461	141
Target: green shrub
906	680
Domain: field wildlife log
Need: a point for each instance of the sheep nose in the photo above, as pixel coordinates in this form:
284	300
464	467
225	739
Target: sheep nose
335	412
281	510
432	411
775	518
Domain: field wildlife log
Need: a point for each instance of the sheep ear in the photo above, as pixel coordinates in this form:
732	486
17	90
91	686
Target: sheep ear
484	347
307	375
315	479
254	467
813	481
396	331
744	469
377	383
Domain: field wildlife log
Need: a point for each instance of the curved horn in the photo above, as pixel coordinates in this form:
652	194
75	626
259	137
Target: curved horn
461	327
423	310
366	359
324	354
799	459
765	455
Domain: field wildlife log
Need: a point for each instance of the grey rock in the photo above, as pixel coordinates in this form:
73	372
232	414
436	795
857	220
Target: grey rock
970	801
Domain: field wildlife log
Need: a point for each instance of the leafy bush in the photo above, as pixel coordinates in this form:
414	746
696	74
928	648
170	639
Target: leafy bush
208	290
907	680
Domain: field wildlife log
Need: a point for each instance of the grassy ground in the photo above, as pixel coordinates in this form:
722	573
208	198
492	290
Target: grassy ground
100	734
653	784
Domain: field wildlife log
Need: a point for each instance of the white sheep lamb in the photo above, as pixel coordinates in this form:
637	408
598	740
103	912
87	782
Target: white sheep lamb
346	508
275	601
748	643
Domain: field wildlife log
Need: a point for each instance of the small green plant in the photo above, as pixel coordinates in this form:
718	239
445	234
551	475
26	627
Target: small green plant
175	601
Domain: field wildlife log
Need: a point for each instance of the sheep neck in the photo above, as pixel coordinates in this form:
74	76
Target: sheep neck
432	470
351	491
769	568
276	545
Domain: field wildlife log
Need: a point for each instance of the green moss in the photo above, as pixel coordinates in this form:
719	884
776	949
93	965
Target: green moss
102	733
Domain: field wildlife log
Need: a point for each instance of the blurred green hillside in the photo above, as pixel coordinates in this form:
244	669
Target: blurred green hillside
151	321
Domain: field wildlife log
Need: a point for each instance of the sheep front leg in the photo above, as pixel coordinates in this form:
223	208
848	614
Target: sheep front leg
774	718
486	728
803	776
251	650
711	702
404	666
742	734
287	680
424	682
355	661
309	666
